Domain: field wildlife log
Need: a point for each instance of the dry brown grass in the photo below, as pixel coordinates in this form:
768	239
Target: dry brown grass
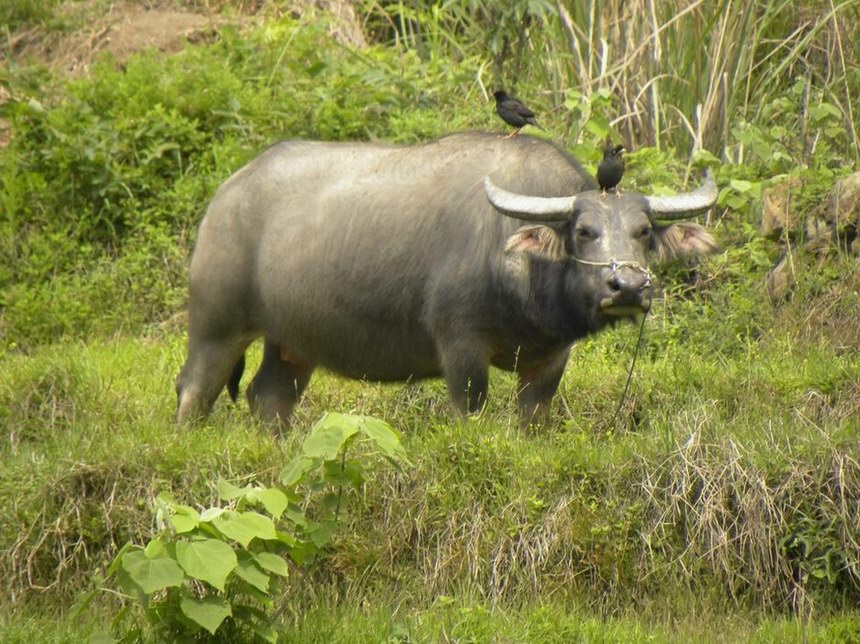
773	529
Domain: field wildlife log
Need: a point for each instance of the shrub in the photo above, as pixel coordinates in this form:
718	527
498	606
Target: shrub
217	569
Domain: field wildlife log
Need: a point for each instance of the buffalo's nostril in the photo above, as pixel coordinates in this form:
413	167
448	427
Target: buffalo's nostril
628	282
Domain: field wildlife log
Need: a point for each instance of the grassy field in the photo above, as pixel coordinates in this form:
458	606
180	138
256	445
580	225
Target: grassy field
722	501
724	494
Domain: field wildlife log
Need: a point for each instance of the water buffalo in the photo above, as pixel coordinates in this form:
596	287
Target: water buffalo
393	263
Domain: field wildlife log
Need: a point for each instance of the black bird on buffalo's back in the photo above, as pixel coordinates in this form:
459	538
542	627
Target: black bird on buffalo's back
513	112
611	168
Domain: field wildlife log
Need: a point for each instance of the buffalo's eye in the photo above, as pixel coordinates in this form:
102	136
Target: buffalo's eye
586	233
645	233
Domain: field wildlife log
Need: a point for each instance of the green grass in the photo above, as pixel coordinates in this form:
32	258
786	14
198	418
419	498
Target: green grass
329	619
720	505
732	478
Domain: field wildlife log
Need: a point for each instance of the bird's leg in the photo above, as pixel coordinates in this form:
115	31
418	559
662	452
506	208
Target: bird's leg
514	133
617	193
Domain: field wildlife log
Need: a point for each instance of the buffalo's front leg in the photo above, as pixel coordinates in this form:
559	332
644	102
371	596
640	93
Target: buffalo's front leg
538	385
278	385
467	374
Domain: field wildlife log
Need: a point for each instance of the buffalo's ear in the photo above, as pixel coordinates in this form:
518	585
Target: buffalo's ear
538	240
680	239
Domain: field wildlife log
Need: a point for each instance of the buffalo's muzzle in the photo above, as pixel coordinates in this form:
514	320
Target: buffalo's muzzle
628	291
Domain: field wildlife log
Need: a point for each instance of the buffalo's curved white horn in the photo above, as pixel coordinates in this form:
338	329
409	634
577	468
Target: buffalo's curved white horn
527	208
679	206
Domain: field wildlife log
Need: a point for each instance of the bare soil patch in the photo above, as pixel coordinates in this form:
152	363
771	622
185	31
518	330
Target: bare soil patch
122	30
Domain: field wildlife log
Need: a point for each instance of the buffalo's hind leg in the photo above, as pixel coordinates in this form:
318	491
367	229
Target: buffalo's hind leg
278	385
206	371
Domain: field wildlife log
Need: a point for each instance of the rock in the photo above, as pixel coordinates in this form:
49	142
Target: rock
781	279
778	214
843	209
819	233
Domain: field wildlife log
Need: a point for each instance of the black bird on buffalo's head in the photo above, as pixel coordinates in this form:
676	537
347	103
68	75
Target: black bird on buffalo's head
611	169
513	112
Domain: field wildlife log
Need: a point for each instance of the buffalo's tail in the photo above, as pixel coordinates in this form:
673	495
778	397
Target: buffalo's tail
235	377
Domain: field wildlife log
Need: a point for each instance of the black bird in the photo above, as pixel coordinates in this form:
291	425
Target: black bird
513	112
611	169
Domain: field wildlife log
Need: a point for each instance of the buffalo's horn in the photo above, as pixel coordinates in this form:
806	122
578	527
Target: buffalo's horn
545	209
679	206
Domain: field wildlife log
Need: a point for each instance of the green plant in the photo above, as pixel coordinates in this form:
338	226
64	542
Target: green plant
15	14
217	569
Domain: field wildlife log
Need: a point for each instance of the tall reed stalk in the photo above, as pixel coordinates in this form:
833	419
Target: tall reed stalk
681	73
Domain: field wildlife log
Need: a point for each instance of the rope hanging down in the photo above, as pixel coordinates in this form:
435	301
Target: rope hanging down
614	265
630	372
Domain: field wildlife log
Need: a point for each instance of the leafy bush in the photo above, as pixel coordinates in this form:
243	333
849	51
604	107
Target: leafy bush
105	170
217	569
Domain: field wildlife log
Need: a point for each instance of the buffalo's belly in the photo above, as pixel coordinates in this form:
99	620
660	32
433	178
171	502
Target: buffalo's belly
361	351
381	358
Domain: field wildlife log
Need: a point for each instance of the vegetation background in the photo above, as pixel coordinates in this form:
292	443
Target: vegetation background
724	503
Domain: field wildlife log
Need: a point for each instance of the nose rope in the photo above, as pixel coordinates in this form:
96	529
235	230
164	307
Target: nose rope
615	264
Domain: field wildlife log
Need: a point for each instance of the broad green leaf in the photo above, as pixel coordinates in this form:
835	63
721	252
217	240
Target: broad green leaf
166	498
331	502
740	185
823	110
329	435
274	501
303	552
350	473
598	126
117	562
245	526
209	612
211	513
296	515
295	470
184	518
209	560
386	438
248	570
228	492
152	575
131	588
574	100
704	156
273	563
322	535
736	203
155	549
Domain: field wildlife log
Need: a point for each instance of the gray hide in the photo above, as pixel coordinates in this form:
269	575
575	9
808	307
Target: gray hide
390	263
